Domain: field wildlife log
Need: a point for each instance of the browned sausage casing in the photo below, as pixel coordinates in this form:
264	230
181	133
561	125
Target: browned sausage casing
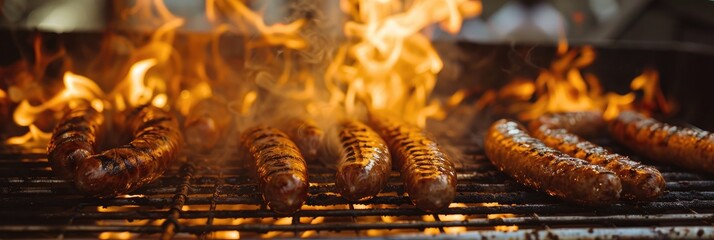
155	146
73	140
429	175
529	161
688	148
365	164
206	124
639	182
307	135
280	169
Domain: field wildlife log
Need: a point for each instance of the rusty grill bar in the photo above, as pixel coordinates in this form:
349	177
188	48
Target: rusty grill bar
198	195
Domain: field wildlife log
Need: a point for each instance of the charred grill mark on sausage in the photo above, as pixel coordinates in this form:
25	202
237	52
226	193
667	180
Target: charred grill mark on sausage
532	163
120	170
688	148
73	140
639	182
429	175
155	146
279	167
365	163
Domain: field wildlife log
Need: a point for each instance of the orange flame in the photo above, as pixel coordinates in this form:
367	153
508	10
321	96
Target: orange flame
77	88
563	88
391	65
244	19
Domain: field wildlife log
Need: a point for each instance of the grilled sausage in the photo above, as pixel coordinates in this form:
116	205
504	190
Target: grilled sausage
206	124
639	182
73	140
530	162
279	168
365	164
688	148
155	146
429	175
307	135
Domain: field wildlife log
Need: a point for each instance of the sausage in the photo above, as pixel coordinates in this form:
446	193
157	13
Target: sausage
530	162
206	124
365	163
155	146
687	148
429	175
307	135
639	182
74	139
278	166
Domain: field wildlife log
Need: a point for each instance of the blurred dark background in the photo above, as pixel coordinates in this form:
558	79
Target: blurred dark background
662	21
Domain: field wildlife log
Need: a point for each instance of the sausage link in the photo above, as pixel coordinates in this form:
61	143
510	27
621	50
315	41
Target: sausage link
688	148
155	146
639	182
206	124
530	162
307	135
365	164
73	140
279	168
429	175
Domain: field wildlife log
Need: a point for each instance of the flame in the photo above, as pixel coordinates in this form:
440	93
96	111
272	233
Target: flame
390	65
115	235
137	89
77	88
242	19
34	135
564	87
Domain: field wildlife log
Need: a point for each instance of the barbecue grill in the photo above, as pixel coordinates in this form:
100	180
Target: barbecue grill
193	197
207	198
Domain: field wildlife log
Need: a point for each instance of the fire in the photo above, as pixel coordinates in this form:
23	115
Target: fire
137	89
389	64
447	218
77	88
565	87
35	135
125	208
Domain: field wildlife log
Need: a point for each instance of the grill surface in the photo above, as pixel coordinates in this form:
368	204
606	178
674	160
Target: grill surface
207	199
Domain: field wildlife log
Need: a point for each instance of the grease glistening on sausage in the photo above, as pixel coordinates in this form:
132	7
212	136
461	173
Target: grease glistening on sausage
74	139
365	164
122	169
530	162
429	175
688	148
278	166
307	135
639	182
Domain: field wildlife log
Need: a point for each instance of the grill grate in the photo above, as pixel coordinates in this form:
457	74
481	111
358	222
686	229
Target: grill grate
205	199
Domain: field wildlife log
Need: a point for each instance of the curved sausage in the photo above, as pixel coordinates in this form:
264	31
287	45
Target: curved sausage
639	182
688	148
365	164
429	175
530	162
279	168
155	146
73	140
